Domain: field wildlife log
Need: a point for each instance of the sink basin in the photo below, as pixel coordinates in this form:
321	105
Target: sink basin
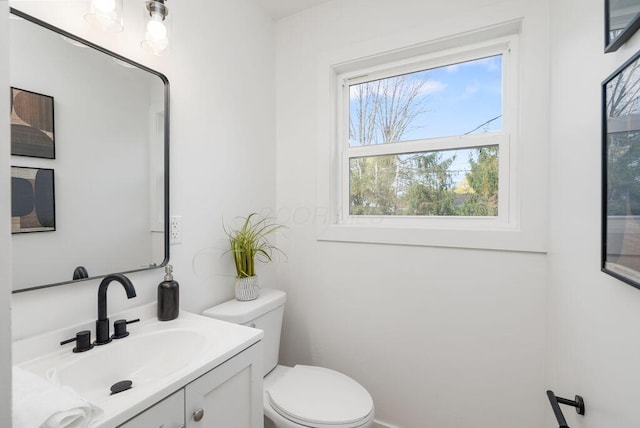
143	358
157	357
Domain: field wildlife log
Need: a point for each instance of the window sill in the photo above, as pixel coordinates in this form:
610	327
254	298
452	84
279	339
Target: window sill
494	238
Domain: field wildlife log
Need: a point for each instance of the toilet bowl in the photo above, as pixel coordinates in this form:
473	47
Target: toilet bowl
299	396
309	396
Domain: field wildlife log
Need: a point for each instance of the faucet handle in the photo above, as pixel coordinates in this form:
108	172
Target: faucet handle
82	339
120	328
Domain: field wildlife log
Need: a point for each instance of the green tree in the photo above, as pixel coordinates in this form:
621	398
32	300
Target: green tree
430	191
372	185
483	179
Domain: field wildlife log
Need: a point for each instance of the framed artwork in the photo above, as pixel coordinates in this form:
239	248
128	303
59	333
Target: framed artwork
32	124
621	21
32	200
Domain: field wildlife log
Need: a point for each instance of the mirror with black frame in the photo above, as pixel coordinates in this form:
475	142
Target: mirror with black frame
622	20
621	173
106	202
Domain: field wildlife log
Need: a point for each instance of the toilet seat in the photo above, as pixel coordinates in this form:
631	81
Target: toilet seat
318	397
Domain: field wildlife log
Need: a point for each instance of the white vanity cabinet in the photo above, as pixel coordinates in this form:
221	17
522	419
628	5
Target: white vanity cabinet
169	413
229	396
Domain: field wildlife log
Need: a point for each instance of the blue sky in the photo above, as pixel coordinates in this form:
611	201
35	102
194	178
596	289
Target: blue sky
460	97
456	98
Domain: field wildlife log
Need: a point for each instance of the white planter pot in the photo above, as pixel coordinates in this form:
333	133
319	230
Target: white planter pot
247	288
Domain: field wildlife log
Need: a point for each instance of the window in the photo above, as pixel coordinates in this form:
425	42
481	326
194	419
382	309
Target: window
426	139
434	139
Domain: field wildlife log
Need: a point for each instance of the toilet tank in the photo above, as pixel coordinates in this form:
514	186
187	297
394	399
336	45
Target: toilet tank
265	313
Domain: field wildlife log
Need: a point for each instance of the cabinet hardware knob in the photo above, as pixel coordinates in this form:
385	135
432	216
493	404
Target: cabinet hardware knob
198	415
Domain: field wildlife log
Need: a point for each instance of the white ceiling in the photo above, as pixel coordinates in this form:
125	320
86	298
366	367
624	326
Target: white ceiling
280	8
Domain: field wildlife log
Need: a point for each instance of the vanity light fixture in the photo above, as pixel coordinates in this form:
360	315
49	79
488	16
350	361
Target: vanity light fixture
106	15
157	27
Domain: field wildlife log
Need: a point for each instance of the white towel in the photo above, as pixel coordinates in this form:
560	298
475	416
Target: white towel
38	403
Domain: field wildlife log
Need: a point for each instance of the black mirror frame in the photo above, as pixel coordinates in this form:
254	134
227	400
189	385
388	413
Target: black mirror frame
166	142
627	32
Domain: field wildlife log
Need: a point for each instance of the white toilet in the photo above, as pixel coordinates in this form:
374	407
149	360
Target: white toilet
300	396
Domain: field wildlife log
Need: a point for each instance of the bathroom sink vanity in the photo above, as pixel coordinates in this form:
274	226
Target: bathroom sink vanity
192	371
219	398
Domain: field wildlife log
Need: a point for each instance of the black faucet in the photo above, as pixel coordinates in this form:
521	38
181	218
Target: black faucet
102	324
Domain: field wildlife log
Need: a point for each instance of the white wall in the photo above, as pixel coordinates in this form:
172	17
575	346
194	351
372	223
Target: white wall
223	119
594	319
442	338
5	230
221	72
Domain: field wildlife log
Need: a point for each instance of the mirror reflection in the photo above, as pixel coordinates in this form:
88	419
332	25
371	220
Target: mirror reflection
109	169
622	22
622	191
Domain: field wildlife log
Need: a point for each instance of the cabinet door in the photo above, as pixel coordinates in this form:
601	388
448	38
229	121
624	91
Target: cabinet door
169	413
229	396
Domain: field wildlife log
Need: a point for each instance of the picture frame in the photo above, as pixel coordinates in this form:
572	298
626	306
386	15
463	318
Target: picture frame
621	21
32	200
32	124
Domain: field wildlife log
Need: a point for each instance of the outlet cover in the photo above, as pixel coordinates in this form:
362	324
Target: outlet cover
175	229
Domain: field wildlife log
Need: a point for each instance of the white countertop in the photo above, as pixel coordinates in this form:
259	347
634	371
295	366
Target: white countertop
217	341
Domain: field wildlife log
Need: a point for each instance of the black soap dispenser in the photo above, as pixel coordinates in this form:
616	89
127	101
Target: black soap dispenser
168	296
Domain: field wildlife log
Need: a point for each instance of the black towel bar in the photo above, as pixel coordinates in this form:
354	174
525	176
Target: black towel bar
578	403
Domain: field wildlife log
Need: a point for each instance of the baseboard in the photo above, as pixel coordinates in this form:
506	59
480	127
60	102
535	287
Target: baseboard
379	424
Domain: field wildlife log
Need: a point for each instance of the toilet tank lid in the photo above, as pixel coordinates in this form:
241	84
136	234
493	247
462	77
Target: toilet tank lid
241	312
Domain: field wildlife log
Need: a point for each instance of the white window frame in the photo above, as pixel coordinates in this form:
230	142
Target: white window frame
504	47
521	221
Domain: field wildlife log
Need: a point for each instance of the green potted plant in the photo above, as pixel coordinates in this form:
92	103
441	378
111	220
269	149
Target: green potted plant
249	244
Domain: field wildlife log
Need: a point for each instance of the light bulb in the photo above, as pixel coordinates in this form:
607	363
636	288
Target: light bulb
155	28
106	15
